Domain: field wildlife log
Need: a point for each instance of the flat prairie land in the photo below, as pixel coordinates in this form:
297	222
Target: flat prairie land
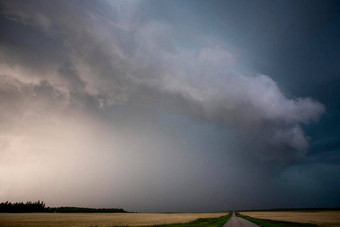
320	218
98	219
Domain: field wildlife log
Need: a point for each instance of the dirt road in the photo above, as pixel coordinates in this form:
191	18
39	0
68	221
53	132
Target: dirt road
235	221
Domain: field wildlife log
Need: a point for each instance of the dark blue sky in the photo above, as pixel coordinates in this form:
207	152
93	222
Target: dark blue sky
170	105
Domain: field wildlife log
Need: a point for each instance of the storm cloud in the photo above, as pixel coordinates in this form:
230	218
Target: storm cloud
104	81
109	58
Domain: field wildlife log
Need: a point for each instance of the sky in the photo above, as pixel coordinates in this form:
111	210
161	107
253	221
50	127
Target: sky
170	106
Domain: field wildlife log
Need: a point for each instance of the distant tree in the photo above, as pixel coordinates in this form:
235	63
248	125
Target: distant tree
39	206
20	207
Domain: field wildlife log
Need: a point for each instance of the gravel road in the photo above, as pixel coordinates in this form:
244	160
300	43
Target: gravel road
235	221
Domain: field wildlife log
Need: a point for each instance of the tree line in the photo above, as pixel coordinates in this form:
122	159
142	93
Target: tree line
39	206
21	207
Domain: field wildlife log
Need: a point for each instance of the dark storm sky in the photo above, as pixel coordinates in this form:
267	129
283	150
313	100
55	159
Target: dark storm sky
170	105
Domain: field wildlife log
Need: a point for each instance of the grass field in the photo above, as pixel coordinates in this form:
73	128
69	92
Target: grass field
202	222
98	219
272	223
322	218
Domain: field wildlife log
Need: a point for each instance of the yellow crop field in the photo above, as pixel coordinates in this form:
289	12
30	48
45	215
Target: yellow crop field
97	219
322	218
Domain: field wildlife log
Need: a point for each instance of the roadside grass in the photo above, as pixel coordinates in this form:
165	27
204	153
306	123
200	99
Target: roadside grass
206	222
272	223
